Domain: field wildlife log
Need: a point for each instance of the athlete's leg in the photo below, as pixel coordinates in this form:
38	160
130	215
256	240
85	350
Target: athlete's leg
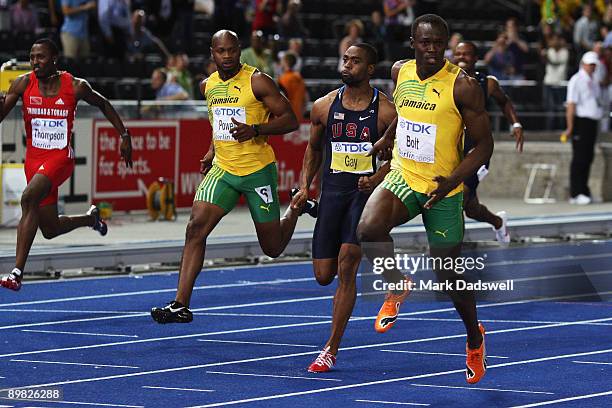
274	236
204	217
36	190
51	224
346	293
477	211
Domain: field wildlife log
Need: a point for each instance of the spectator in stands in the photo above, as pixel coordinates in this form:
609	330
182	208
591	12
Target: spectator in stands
24	17
398	15
556	59
164	89
585	30
181	75
257	55
354	31
584	110
266	16
115	24
75	30
500	60
230	15
293	86
55	13
162	15
455	39
142	40
603	77
376	33
290	24
516	46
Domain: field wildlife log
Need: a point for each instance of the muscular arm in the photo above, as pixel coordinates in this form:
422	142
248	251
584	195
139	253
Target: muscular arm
314	151
387	117
15	92
507	107
283	119
469	99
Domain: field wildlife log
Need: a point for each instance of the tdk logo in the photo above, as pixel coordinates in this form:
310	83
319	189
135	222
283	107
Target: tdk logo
418	127
228	111
355	148
50	123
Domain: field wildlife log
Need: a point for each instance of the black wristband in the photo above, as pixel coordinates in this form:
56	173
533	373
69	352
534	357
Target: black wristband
256	129
125	134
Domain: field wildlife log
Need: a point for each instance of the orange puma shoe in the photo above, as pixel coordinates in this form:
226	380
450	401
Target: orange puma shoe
476	361
387	315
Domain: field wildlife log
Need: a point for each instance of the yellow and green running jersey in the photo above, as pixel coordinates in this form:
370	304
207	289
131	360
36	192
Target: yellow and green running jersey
429	135
234	98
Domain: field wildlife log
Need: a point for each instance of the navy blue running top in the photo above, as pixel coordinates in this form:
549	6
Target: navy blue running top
349	136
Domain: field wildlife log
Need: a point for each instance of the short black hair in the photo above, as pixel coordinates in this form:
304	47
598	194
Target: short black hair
433	19
471	44
49	43
290	58
371	53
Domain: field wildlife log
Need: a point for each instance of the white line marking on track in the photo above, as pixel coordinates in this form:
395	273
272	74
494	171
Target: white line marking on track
392	402
77	364
97	404
69	311
275	357
579	397
258	343
176	389
79	333
392	380
591	362
435	354
482	389
274	376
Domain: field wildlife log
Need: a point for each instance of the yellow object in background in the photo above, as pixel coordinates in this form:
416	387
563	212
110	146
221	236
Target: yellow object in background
11	70
106	210
563	137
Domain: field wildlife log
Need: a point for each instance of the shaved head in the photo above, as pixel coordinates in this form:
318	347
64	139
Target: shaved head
223	34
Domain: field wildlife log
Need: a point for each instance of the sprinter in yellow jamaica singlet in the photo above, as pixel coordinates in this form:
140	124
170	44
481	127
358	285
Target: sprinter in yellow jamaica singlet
434	100
244	107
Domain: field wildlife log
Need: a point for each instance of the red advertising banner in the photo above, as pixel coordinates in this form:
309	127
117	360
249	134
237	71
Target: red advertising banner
172	149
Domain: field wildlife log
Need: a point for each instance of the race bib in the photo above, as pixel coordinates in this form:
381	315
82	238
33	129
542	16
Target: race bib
351	157
49	134
265	193
222	121
416	141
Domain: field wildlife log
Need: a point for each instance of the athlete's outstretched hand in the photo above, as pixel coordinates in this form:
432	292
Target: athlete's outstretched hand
298	200
206	162
383	148
517	133
365	184
242	132
445	186
126	149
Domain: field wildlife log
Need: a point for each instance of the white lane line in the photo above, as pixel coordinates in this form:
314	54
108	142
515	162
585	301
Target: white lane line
273	376
77	364
435	354
433	319
482	389
176	389
79	333
392	402
591	362
157	291
392	380
69	311
258	343
283	281
91	319
97	404
579	397
276	357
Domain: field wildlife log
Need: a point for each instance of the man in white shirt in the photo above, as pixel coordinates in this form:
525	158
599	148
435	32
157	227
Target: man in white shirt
584	109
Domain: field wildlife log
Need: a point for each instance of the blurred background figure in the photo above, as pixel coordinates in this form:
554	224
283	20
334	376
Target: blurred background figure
257	55
556	58
166	90
75	29
180	74
399	15
452	43
516	46
115	23
290	24
500	60
585	30
266	16
24	17
293	86
141	40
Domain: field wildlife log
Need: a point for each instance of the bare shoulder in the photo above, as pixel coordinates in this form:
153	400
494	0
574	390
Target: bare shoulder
20	83
320	107
467	91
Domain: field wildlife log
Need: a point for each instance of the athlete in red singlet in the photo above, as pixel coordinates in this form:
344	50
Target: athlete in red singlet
49	102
